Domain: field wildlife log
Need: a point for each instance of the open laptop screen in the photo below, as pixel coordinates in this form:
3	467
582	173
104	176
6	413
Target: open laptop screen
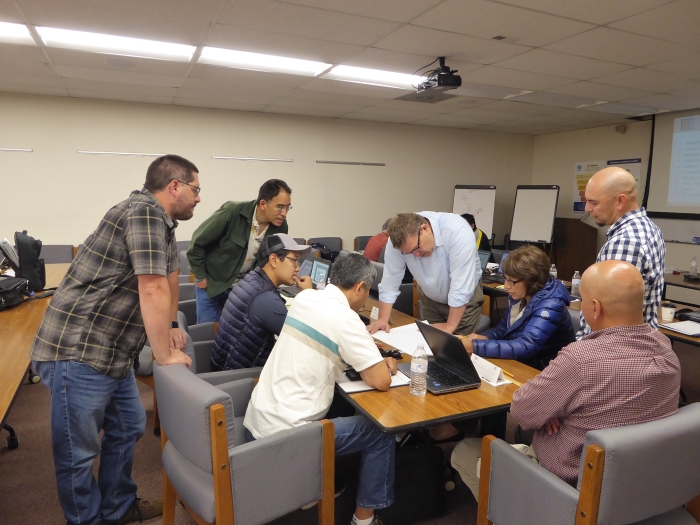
320	270
484	258
503	259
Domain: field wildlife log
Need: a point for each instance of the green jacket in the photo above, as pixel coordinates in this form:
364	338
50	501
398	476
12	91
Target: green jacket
219	246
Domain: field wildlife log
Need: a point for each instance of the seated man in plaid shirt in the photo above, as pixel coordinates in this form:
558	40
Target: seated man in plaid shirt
121	287
611	199
623	373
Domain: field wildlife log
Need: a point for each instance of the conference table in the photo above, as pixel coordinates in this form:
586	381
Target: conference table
398	411
18	326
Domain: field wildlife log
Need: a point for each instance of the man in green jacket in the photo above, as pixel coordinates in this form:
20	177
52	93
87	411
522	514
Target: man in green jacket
225	246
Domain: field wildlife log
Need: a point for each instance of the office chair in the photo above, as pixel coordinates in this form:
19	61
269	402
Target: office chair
299	240
56	253
222	479
184	263
334	243
640	474
361	242
183	246
187	291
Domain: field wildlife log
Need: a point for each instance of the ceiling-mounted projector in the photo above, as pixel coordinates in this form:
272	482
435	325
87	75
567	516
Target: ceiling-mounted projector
436	83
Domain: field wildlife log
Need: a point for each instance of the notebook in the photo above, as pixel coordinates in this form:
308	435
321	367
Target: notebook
690	328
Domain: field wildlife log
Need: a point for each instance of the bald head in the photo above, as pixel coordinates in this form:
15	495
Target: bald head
611	193
612	294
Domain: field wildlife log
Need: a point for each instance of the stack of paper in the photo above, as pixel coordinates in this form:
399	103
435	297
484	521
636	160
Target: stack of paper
684	327
404	338
360	386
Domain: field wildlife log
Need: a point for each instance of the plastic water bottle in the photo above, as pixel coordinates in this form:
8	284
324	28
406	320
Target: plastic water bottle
553	272
419	369
694	266
575	283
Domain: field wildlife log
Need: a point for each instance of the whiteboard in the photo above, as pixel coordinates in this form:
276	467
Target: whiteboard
534	212
480	202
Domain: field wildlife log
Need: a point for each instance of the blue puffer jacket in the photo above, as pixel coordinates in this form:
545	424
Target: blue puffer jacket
238	342
543	329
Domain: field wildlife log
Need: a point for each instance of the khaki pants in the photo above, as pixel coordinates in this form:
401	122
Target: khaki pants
435	312
466	459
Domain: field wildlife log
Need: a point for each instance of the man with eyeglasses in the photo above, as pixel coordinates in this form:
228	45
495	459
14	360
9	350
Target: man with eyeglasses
255	312
225	246
440	251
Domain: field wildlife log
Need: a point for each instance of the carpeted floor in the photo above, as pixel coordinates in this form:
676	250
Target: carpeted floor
28	486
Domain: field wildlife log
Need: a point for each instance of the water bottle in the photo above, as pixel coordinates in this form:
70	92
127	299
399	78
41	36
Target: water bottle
419	369
694	266
553	272
575	283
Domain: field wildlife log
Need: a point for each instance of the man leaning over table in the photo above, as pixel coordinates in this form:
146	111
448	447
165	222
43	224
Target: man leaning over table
321	336
440	251
623	373
225	246
121	287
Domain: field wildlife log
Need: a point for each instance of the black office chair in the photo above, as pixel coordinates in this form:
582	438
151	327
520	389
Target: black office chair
361	242
334	243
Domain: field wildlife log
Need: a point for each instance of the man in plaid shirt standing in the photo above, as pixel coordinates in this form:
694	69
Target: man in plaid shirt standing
611	199
623	373
121	287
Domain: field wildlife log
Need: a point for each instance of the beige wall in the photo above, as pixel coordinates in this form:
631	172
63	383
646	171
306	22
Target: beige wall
60	195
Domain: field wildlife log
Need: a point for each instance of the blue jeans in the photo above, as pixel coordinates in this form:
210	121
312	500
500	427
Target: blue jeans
209	308
83	402
376	481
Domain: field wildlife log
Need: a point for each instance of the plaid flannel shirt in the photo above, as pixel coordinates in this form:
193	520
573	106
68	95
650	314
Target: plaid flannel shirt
94	317
637	240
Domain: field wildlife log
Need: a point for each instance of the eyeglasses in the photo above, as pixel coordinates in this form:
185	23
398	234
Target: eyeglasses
195	189
414	250
295	261
512	282
281	207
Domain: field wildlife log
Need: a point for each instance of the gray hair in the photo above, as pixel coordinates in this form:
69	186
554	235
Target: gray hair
350	269
385	226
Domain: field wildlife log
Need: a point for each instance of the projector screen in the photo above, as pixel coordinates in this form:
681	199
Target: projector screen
675	172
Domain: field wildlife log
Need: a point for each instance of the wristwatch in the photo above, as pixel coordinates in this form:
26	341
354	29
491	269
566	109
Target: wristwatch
173	324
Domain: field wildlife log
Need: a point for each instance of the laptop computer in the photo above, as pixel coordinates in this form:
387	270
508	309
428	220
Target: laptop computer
484	258
318	270
451	370
499	277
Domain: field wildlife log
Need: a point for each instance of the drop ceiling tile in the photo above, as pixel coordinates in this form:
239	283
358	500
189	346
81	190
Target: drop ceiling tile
685	66
67	57
9	13
26	68
224	96
561	64
217	104
12	52
351	88
656	81
376	118
120	95
546	98
460	118
418	107
459	125
411	114
687	92
112	87
120	77
678	22
202	10
617	46
597	91
303	111
595	11
477	90
15	77
488	19
498	76
290	19
326	96
578	115
374	58
669	102
623	108
246	77
396	10
492	113
317	105
521	107
266	42
495	128
8	86
463	101
424	41
260	88
548	120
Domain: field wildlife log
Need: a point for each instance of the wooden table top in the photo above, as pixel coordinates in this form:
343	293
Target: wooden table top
678	280
18	326
397	410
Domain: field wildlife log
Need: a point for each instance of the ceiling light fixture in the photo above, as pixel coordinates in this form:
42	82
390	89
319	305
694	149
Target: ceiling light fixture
374	77
121	153
216	56
114	45
350	163
15	34
252	159
23	150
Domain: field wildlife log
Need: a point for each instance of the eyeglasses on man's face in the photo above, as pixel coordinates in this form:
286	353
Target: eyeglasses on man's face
296	261
417	248
195	189
281	207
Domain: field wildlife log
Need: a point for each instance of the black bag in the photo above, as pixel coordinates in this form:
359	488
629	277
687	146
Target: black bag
419	488
324	251
13	290
30	266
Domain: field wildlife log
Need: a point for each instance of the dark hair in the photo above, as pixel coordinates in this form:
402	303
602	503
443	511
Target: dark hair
469	218
350	269
271	188
281	254
530	264
168	168
271	244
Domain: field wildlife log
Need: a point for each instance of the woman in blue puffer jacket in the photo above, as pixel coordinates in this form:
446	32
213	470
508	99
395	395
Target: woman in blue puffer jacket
537	323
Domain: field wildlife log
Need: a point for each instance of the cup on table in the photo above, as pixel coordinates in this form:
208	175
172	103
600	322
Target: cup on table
668	310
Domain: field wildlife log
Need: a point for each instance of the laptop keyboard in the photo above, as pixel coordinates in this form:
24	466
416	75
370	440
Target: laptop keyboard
444	376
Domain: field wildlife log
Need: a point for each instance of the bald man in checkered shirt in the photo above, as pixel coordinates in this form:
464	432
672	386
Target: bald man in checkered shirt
623	373
611	199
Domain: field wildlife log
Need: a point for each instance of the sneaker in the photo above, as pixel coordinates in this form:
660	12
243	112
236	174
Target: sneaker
375	521
141	510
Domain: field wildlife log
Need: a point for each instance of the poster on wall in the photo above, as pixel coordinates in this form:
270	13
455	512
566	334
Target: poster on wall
582	172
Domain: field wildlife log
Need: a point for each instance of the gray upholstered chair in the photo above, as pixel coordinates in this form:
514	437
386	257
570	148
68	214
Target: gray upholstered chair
183	278
404	302
218	475
299	240
184	263
334	243
360	242
56	253
182	245
638	474
575	319
186	291
189	308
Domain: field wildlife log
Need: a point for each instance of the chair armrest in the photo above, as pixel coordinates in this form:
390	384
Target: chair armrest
240	392
226	376
287	465
202	356
202	332
519	486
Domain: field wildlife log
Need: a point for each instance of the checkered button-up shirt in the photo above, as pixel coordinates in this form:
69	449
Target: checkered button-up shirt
94	317
614	377
637	240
